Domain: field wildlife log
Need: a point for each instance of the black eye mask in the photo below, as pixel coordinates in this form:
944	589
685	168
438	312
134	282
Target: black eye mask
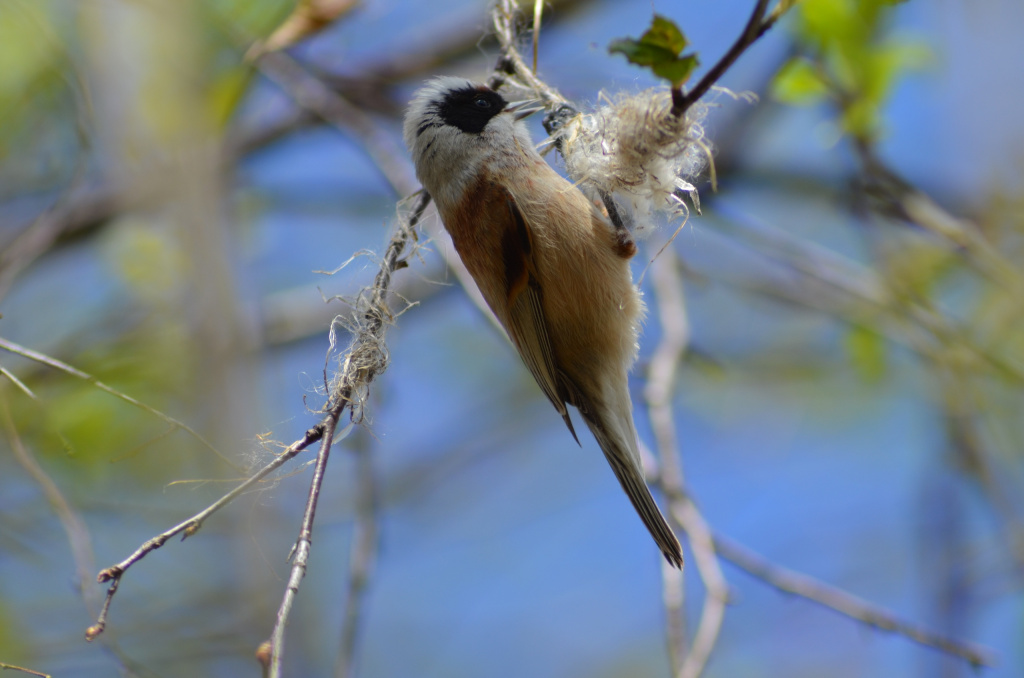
470	109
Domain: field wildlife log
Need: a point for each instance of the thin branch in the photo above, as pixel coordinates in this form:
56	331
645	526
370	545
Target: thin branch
756	26
661	381
22	669
923	329
512	62
189	527
899	197
366	358
689	518
43	359
301	550
845	603
313	95
362	559
538	11
356	374
77	531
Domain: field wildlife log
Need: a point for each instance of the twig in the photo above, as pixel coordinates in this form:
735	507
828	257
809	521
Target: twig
538	11
313	95
365	359
362	559
661	380
756	26
512	62
43	359
356	376
845	603
870	293
192	525
12	667
75	528
300	552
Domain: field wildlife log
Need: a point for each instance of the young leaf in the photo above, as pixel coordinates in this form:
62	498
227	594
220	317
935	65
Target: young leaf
664	33
659	49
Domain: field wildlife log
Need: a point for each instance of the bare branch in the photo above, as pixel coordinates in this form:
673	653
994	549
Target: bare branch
661	381
301	550
362	364
22	669
512	62
192	525
43	359
362	560
313	95
845	603
75	529
756	26
365	359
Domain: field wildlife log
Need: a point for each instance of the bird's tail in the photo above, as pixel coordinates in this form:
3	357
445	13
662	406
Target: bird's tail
617	438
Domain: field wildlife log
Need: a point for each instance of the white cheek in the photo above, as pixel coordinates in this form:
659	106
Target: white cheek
447	165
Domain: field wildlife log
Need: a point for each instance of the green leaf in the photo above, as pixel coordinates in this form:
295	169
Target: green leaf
799	83
664	33
678	71
659	49
641	53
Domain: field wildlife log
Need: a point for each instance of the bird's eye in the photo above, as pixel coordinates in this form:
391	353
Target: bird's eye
481	103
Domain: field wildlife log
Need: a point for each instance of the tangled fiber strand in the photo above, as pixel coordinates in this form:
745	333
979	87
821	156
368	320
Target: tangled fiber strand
635	151
367	355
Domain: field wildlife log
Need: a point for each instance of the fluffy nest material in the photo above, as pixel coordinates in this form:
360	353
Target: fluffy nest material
635	151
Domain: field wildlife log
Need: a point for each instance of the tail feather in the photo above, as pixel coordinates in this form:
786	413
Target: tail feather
624	461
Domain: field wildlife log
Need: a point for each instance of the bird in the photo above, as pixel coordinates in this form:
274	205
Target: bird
548	262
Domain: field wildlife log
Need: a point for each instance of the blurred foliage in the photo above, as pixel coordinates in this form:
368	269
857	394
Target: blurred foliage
867	352
853	61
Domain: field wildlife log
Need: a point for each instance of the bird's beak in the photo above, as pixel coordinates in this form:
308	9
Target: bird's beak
523	109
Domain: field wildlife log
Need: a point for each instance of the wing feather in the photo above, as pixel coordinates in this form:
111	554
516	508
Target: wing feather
527	325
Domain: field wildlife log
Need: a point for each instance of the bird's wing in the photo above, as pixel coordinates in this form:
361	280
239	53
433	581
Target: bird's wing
526	324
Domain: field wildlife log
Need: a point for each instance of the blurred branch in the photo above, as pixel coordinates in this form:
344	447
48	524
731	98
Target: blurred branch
460	41
336	99
362	559
313	95
308	18
78	374
961	407
661	384
22	669
845	603
75	528
70	213
867	296
895	195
